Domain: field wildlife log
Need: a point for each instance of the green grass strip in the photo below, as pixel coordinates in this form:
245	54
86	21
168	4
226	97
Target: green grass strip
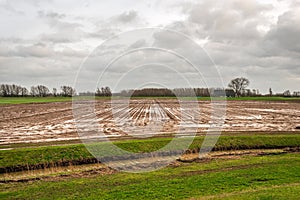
258	177
54	154
24	100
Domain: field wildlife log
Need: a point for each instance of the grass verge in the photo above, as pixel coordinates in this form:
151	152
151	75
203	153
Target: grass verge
44	157
24	100
258	177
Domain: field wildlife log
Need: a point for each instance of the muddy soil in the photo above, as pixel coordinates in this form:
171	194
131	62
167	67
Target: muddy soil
55	121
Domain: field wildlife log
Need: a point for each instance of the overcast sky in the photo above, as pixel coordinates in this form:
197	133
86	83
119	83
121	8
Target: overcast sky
46	42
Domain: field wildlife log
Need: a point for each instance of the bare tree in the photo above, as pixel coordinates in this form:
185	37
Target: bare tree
54	92
98	92
39	91
13	90
238	85
287	93
67	91
33	91
43	91
5	90
165	92
103	92
24	92
108	92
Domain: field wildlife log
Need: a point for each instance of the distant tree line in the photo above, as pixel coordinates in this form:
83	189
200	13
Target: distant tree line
67	91
287	93
13	90
186	92
164	92
237	87
7	90
103	92
100	92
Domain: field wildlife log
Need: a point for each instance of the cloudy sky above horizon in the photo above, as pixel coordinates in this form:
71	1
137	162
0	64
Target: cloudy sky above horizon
46	42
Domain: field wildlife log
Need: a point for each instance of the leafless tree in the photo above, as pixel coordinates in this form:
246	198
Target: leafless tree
33	91
103	92
13	90
270	92
24	92
43	91
98	92
67	91
39	91
108	92
5	90
239	85
287	93
164	92
54	92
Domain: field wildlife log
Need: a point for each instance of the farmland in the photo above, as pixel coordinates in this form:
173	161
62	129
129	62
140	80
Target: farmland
23	100
48	122
256	156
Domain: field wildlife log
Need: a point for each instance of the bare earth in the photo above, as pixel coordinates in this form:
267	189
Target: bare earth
55	121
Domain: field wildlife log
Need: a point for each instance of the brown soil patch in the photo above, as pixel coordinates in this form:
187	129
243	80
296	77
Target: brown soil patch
55	122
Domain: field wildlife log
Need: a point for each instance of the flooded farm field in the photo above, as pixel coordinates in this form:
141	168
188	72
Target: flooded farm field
48	122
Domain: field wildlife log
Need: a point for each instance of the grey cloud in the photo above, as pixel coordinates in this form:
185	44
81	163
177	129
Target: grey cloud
242	39
249	8
7	6
51	71
37	50
62	29
169	49
285	34
69	52
114	25
234	21
40	50
236	45
127	17
50	15
139	44
105	33
168	40
35	3
64	33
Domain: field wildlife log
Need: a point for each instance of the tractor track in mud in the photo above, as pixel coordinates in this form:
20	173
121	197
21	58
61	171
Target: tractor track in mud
48	122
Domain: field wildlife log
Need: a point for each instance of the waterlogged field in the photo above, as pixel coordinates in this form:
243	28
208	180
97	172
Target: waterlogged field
256	157
49	122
